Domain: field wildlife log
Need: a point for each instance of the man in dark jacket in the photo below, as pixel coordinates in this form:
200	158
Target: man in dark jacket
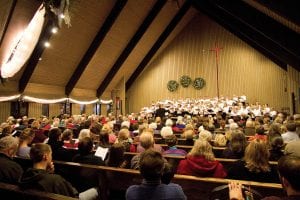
10	171
42	176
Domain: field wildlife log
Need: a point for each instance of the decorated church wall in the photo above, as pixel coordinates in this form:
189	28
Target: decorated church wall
241	69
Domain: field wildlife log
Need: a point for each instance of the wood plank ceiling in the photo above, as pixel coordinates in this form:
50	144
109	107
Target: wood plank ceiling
114	40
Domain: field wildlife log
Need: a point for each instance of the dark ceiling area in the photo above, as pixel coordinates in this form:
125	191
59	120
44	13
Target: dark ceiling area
270	37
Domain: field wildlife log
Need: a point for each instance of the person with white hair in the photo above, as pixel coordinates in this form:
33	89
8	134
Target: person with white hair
169	122
10	171
166	131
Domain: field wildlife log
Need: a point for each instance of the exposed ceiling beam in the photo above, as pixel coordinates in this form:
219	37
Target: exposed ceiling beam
256	29
11	10
131	44
287	8
116	10
36	54
176	19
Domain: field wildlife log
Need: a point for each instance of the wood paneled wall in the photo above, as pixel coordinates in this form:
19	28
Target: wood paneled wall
54	110
34	110
242	69
4	111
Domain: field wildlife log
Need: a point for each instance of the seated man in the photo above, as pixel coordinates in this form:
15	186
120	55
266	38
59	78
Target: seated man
289	173
42	176
10	171
151	168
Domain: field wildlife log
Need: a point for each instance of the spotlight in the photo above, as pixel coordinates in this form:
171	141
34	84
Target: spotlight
54	30
47	44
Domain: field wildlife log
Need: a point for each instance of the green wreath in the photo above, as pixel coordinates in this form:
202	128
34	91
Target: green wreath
172	85
185	81
199	83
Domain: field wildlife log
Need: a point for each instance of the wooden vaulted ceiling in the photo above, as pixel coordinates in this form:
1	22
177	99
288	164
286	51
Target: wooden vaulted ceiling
114	40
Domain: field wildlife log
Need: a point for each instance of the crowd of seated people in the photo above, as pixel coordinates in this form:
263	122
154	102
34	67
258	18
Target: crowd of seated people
76	138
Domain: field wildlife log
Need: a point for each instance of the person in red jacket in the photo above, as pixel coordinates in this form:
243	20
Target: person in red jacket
201	162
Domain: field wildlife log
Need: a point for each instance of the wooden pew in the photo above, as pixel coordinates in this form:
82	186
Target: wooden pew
15	192
118	180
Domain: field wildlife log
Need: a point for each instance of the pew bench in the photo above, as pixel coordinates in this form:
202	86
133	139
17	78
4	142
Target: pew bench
14	192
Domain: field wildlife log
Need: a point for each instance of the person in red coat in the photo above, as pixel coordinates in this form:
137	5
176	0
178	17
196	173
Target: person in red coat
201	162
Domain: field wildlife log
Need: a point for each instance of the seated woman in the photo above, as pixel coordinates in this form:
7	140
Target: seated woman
171	141
236	146
86	154
201	162
124	138
25	140
69	142
276	147
116	156
255	165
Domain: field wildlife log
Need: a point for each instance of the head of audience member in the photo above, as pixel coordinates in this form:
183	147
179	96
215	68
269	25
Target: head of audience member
256	163
289	173
250	123
188	134
153	125
85	146
123	135
41	156
147	140
180	120
35	124
125	124
5	130
9	146
202	148
169	122
158	120
26	136
165	131
67	135
205	135
151	165
84	133
116	155
238	141
54	136
168	173
260	130
104	138
291	126
95	130
277	143
189	127
171	140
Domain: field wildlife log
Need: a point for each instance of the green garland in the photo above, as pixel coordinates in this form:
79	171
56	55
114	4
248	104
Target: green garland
185	81
198	83
172	85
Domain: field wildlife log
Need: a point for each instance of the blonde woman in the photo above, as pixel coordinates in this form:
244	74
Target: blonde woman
255	165
201	162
